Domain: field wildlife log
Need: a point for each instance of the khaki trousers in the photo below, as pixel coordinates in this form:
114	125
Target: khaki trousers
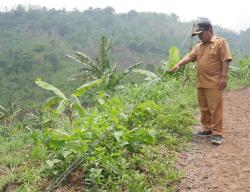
211	108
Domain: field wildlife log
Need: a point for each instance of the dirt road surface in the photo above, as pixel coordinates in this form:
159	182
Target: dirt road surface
224	168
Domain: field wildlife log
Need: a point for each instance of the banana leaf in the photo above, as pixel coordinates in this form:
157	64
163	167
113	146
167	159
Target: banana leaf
87	86
50	87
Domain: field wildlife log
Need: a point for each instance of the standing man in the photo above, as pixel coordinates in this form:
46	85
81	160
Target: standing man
212	56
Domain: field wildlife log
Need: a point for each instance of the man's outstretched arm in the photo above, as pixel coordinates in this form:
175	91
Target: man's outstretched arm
185	60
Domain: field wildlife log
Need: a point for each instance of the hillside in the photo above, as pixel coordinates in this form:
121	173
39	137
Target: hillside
34	41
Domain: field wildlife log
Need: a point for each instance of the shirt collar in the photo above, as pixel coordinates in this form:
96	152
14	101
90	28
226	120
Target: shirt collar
213	39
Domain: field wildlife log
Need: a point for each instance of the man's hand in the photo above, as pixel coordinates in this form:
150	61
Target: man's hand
222	82
223	76
185	60
175	68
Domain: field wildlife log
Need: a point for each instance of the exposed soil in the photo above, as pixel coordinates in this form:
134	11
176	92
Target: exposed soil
74	182
10	187
2	172
224	168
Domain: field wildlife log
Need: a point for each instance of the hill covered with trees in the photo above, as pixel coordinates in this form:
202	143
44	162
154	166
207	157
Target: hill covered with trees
35	40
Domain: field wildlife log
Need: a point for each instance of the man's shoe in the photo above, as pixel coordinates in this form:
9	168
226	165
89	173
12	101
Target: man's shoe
216	139
204	133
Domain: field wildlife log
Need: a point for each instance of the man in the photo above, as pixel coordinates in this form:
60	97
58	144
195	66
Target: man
212	56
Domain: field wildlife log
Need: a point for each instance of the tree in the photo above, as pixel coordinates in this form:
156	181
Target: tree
102	68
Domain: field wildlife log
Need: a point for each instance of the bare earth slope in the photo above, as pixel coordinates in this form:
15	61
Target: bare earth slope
224	168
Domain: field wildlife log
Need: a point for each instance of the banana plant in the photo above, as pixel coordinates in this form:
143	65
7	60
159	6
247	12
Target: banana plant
102	67
67	103
115	76
150	76
174	57
94	70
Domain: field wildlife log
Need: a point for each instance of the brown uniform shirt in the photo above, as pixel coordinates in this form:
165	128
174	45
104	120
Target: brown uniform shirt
209	57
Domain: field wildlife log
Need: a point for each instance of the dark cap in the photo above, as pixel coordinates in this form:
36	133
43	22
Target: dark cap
201	26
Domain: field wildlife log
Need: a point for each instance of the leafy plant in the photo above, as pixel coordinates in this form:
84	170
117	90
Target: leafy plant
143	113
67	103
174	57
102	68
38	119
241	70
8	114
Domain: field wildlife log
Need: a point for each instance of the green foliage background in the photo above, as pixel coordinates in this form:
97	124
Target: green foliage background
35	40
128	136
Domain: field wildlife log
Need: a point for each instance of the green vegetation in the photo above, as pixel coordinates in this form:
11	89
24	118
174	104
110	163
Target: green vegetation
241	72
35	40
103	131
127	136
103	68
124	125
9	113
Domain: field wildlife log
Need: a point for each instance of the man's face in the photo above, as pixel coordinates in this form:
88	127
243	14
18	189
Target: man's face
205	36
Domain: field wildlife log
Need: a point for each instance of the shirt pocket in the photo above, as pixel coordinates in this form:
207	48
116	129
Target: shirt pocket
212	51
199	54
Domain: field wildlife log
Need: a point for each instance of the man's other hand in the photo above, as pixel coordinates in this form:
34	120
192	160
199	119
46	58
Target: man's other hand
222	83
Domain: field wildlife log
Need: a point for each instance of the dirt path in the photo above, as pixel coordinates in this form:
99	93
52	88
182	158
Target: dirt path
224	168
